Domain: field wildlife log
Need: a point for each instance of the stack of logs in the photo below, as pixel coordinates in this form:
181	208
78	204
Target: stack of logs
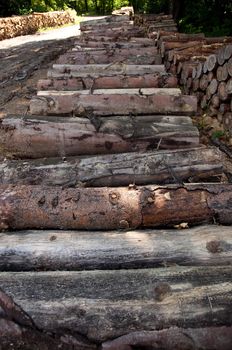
152	23
204	68
126	276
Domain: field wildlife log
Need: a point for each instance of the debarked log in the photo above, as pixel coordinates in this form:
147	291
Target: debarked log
103	305
207	338
102	58
99	70
30	137
72	102
155	80
123	169
93	250
43	207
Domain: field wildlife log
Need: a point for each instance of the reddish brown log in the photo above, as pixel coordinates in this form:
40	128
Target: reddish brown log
215	338
28	137
24	207
47	103
107	82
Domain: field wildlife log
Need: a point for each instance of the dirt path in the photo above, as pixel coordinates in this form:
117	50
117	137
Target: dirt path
26	59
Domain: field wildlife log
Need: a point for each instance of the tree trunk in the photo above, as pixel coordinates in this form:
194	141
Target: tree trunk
117	170
29	137
50	103
103	305
94	250
106	208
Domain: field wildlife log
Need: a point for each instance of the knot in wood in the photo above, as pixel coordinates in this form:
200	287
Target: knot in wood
214	246
150	200
162	290
113	197
124	224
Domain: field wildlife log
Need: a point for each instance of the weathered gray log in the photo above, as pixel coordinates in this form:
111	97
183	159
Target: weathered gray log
47	103
117	170
30	137
87	26
154	80
97	70
103	305
104	20
94	250
37	207
103	58
123	52
116	45
207	338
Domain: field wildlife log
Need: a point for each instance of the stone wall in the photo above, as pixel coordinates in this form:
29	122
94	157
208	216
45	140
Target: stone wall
11	27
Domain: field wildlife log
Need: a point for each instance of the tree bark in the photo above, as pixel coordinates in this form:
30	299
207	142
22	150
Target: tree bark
103	305
117	170
42	207
30	137
52	103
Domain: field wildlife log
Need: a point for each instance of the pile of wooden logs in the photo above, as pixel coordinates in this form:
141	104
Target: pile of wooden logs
204	68
11	27
153	23
100	189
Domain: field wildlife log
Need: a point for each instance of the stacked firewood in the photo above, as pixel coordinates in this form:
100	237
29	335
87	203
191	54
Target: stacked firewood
204	68
153	23
11	27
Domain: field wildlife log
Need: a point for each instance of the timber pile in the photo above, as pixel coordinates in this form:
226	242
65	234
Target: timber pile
98	180
11	27
204	69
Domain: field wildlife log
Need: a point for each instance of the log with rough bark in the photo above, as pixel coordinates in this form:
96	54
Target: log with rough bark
105	20
114	32
207	338
123	52
43	207
147	101
103	305
103	58
97	70
125	25
77	250
117	170
155	80
30	137
114	45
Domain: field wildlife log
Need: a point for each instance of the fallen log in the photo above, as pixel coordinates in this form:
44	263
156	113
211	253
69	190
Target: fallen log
101	58
103	305
94	250
123	52
207	338
105	208
97	70
117	170
29	137
154	80
47	103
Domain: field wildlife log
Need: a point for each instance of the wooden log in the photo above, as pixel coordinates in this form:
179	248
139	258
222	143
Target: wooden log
50	103
207	338
203	84
109	82
228	52
222	72
101	58
97	70
213	86
229	66
77	250
108	19
224	108
27	137
117	170
106	208
123	52
114	45
162	33
220	56
112	32
215	101
211	62
229	86
110	25
222	91
227	121
96	302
